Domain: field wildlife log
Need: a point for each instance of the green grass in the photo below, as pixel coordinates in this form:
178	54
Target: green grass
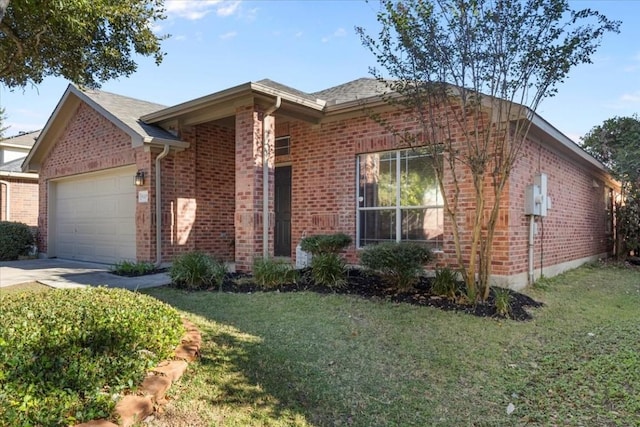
274	359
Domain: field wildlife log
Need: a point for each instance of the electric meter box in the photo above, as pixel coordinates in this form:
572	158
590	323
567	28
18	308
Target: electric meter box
530	195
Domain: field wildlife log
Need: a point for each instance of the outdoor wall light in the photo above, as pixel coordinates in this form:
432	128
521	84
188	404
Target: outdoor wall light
138	180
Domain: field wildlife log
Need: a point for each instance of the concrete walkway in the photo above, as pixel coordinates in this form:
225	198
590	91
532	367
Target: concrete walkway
60	273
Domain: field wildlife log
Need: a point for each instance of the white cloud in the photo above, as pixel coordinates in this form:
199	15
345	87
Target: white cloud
340	32
198	9
180	38
228	8
631	97
229	35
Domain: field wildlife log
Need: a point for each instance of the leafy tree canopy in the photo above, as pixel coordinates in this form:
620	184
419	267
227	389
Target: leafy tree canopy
84	41
453	64
616	143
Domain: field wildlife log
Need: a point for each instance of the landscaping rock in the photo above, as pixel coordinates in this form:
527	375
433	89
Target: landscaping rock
132	409
156	386
187	352
97	423
172	370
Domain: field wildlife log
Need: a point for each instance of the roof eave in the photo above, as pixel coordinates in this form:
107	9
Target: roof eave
239	91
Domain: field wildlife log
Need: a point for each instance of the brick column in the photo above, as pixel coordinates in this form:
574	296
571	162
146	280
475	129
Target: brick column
248	220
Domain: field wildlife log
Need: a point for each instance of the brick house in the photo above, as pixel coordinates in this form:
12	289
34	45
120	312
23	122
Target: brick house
18	190
327	166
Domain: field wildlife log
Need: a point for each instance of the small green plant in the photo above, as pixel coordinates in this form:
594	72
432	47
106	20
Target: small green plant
502	301
325	243
63	353
16	239
445	283
328	269
133	268
543	283
271	273
197	270
399	263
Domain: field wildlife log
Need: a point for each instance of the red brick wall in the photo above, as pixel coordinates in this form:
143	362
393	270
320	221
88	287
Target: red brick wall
90	143
23	203
199	192
575	227
323	162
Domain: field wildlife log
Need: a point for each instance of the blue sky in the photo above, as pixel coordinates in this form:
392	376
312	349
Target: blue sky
312	45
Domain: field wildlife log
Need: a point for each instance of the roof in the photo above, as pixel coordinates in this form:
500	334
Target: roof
351	91
128	111
23	140
123	111
12	166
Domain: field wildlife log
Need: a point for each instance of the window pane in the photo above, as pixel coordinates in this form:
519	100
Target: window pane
283	146
377	180
419	185
377	226
423	225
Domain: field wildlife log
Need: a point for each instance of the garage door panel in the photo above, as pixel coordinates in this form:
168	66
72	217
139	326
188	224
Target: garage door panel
95	217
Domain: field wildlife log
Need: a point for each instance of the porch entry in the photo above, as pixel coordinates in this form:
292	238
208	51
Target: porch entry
282	201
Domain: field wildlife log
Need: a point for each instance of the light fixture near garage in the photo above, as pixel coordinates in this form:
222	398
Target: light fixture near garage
138	180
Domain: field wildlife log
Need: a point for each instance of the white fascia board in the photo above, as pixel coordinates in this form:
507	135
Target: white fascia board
565	141
26	175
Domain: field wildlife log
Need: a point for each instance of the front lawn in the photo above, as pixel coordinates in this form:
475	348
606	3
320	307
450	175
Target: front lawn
281	359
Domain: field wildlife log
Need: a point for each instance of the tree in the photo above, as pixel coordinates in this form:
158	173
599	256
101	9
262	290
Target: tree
3	128
616	143
86	42
471	73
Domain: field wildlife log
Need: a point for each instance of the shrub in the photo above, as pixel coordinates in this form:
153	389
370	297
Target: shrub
197	270
64	353
445	283
399	263
270	273
325	243
328	269
16	239
502	301
132	268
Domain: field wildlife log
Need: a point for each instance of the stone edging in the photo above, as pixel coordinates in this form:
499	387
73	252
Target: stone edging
150	396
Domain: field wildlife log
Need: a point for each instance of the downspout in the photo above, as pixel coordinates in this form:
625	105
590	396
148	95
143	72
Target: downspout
7	202
161	156
265	180
531	241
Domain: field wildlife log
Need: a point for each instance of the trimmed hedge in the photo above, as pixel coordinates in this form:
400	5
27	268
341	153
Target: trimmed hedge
325	243
65	353
16	239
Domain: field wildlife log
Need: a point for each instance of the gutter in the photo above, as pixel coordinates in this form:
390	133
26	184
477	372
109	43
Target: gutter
8	201
161	156
265	179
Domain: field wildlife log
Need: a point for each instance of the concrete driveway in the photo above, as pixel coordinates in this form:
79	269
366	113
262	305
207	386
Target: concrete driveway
60	273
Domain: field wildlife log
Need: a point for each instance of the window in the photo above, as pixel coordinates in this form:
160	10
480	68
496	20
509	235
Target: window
398	198
283	146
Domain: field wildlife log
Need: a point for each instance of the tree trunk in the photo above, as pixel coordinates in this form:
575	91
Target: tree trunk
4	4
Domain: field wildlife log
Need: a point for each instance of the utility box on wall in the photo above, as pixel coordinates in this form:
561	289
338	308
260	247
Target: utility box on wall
536	201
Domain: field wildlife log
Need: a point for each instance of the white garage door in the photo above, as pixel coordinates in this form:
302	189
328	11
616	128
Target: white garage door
95	217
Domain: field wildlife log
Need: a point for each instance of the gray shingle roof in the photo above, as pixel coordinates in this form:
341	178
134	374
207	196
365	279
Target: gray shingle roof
289	89
25	139
12	166
129	110
351	91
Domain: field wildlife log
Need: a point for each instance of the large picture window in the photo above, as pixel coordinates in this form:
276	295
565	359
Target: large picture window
398	198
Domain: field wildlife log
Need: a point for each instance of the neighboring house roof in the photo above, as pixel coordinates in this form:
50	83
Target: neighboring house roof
14	169
12	166
24	140
122	111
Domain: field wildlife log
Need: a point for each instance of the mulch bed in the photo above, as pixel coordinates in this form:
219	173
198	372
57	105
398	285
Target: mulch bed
371	286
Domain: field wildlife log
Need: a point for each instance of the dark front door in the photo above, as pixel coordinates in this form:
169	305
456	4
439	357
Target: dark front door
282	244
